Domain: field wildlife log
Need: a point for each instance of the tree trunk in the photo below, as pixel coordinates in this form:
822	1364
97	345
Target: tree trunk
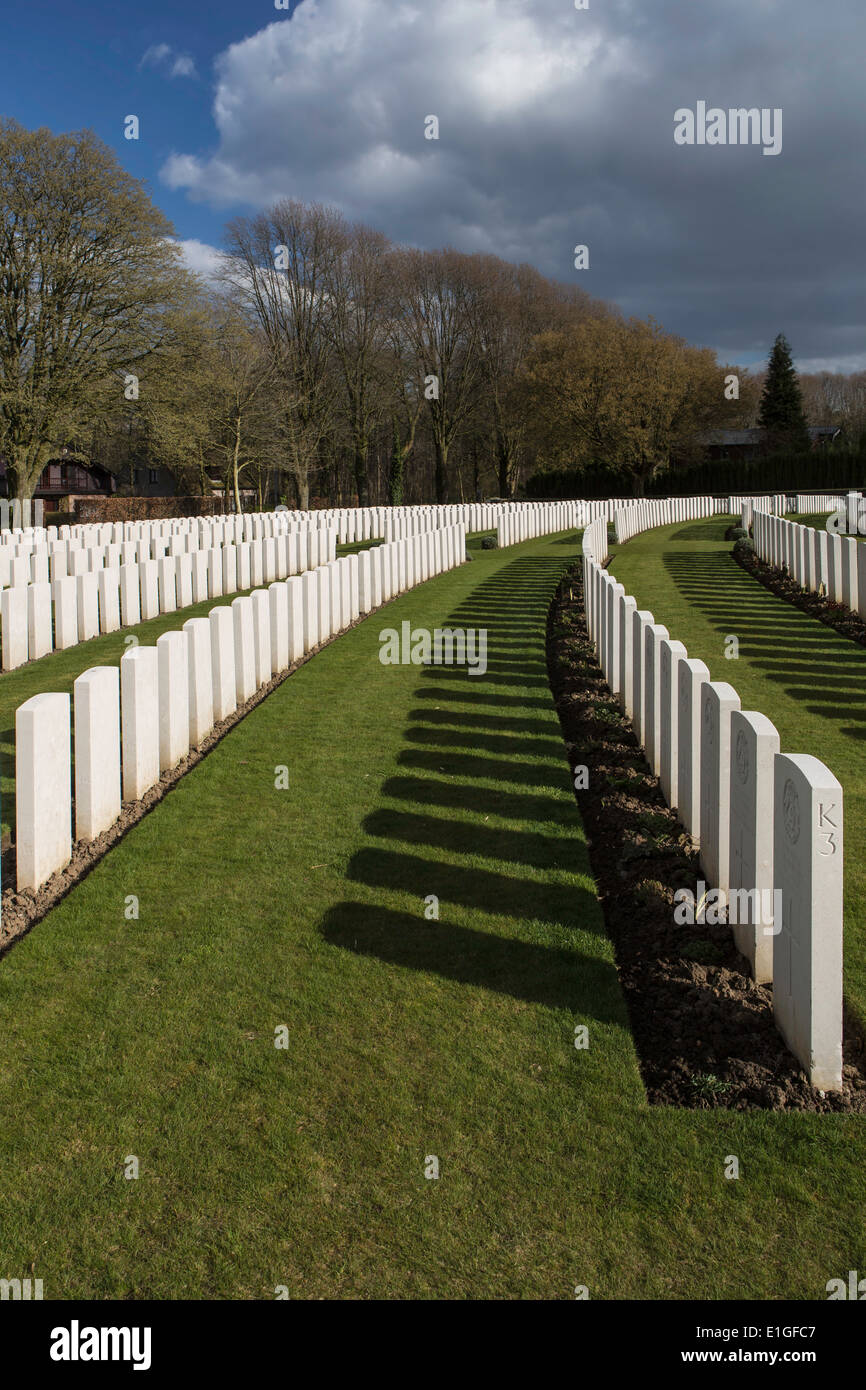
18	483
302	489
503	460
441	475
235	470
361	482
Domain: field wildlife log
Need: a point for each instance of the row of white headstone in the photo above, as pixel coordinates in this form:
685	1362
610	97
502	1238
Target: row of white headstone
768	824
137	721
527	522
33	556
657	511
42	616
819	561
812	502
17	514
353	524
632	517
475	516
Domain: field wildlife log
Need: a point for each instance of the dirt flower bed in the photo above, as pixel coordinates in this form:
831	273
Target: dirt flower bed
703	1029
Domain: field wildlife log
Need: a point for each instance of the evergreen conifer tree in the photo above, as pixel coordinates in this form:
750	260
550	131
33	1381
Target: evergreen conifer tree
781	416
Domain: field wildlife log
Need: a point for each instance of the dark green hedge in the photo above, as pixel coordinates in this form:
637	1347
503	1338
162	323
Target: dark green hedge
816	471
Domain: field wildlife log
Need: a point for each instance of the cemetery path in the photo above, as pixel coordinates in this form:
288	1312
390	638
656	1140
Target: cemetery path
297	916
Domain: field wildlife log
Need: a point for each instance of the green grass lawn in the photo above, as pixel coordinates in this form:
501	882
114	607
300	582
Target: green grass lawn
407	1037
817	520
353	547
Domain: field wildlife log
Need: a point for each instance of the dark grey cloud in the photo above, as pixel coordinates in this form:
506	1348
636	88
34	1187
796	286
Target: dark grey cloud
557	128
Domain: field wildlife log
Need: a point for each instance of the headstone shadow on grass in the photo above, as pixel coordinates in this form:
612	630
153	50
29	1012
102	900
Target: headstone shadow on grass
804	657
480	749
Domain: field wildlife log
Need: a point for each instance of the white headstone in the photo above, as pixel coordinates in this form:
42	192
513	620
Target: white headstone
167	584
692	675
108	586
354	564
130	596
718	700
96	705
640	623
245	653
43	788
295	592
807	955
39	639
184	581
653	637
627	608
65	599
173	666
310	585
148	577
670	655
376	572
139	699
323	580
754	745
214	572
278	600
225	698
344	571
612	598
200	667
335	595
262	636
13	626
230	570
88	605
200	591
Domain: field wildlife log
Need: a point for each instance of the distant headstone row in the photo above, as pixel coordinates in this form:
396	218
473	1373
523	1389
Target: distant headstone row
820	561
20	513
769	824
68	594
525	523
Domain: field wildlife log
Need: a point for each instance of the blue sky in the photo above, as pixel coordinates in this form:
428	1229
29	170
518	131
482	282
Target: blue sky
556	129
73	65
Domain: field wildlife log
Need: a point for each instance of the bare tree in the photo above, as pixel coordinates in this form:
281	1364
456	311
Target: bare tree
357	290
278	263
437	294
515	303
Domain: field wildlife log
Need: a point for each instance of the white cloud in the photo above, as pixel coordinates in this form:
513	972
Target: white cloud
156	54
162	55
183	66
556	129
335	98
201	258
